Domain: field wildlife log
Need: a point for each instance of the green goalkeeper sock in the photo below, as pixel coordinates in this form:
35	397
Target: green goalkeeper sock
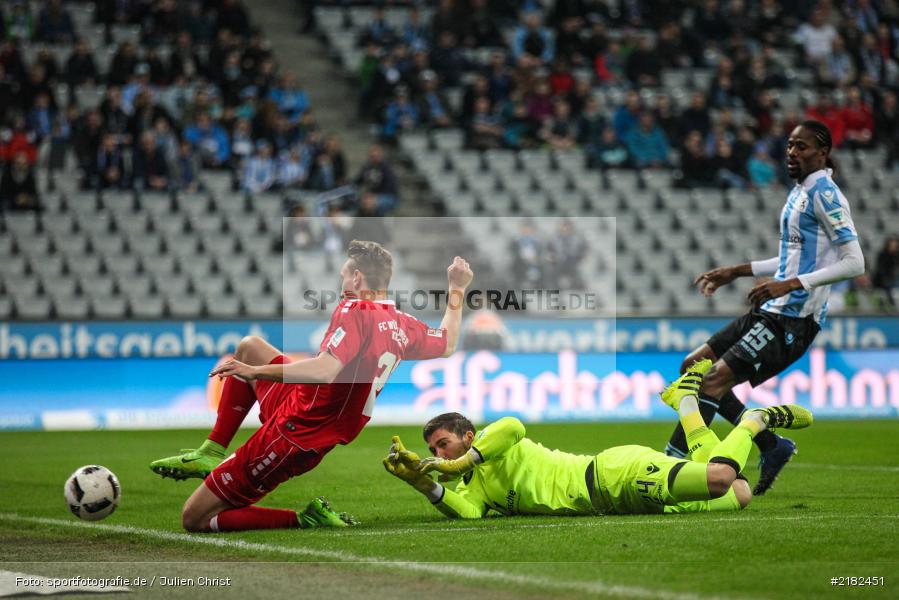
701	443
700	439
734	449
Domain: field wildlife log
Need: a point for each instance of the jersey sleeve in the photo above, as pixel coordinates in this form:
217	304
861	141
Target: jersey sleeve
495	439
424	342
467	502
345	337
832	213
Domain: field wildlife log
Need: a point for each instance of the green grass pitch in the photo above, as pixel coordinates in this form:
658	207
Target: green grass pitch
833	513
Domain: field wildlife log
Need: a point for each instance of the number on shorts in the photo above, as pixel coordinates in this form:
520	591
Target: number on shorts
387	363
758	337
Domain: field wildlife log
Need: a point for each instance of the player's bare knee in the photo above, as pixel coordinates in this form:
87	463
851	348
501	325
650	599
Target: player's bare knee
717	382
720	479
742	492
194	521
246	347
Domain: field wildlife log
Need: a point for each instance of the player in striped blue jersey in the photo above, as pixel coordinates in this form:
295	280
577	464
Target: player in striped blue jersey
818	247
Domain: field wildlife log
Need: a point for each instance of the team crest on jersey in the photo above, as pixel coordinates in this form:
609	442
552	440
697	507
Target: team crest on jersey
337	337
435	332
803	202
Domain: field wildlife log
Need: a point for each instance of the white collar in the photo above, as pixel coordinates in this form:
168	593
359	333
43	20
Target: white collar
812	178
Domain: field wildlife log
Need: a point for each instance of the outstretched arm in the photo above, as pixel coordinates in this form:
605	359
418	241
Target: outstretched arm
324	368
851	264
710	281
459	276
492	441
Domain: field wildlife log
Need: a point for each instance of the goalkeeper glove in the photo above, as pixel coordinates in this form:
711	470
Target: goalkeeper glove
400	463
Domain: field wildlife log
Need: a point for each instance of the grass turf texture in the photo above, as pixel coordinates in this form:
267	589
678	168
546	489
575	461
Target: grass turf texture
834	512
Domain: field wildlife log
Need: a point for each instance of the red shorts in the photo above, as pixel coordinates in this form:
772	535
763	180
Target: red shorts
272	393
265	461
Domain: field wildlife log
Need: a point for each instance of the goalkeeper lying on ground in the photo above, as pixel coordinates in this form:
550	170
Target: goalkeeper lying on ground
504	471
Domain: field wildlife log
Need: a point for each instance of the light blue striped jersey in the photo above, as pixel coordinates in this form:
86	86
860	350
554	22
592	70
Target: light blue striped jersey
815	220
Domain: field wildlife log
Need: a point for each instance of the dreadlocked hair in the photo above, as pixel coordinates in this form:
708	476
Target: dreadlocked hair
822	138
374	261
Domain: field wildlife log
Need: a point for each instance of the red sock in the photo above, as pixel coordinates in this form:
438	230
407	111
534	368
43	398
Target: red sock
236	401
254	517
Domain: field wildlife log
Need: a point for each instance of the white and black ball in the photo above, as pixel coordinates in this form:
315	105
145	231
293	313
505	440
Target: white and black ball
92	492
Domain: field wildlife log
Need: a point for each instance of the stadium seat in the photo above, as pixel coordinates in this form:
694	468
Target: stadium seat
210	285
32	308
21	223
99	285
162	264
221	306
58	224
122	266
35	245
147	244
24	285
47	266
261	305
83	265
71	307
184	307
108	307
147	307
107	244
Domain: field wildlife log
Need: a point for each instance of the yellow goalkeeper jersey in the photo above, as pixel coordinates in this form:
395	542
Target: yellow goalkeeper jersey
519	477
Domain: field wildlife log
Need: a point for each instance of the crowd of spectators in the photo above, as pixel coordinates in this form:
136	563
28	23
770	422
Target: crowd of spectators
531	78
198	89
547	260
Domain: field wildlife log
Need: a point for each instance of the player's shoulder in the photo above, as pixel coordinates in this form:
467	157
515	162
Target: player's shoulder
828	193
405	317
355	305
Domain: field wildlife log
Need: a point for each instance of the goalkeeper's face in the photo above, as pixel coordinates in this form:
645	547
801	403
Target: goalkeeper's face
449	445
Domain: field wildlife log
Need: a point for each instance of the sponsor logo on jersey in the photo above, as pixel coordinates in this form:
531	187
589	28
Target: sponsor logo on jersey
837	218
510	501
337	337
435	332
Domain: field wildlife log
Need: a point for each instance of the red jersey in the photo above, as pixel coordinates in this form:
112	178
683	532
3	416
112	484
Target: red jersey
369	338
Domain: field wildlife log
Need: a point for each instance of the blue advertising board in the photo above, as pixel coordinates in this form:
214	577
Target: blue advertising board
176	392
97	339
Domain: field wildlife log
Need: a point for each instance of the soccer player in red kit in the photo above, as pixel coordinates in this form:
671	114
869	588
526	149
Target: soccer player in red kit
309	406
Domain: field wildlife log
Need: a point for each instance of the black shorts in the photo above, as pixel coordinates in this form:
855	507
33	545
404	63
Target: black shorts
761	344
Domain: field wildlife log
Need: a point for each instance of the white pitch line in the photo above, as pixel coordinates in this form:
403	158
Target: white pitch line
610	521
589	587
833	467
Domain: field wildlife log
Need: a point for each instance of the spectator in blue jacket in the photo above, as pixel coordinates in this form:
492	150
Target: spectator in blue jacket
647	143
534	39
290	98
627	115
211	140
399	115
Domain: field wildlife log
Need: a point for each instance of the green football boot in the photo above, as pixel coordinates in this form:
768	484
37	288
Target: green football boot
191	463
318	513
687	384
785	416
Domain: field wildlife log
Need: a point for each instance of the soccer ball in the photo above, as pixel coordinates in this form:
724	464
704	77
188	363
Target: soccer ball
92	492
